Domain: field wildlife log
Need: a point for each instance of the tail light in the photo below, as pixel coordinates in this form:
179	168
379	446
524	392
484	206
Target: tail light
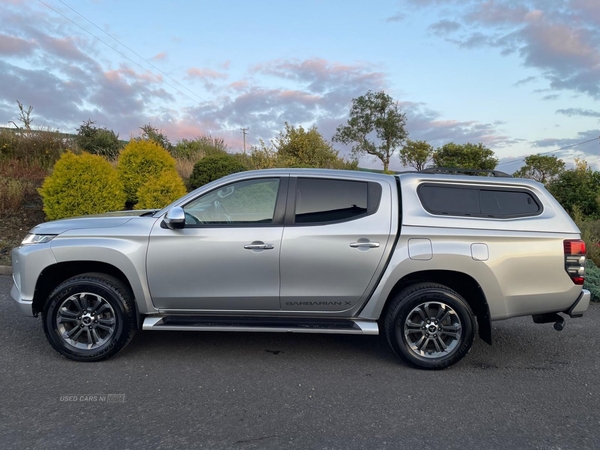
575	260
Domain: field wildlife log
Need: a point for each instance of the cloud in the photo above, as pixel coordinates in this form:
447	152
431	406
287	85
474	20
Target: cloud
426	124
14	46
586	142
444	27
58	73
205	74
578	112
398	17
159	56
559	38
525	81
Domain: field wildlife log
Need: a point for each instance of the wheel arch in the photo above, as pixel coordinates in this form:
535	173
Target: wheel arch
55	274
460	282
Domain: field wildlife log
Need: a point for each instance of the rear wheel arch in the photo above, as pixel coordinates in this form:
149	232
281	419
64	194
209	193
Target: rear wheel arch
462	283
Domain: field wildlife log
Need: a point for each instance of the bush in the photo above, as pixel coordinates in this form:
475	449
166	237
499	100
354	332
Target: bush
592	280
140	161
159	191
198	148
214	167
35	147
81	184
12	193
98	141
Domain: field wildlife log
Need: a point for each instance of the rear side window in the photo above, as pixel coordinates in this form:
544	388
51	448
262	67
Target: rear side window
478	201
322	200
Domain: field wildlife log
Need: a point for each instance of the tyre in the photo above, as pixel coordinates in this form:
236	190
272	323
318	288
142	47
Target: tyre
89	317
430	326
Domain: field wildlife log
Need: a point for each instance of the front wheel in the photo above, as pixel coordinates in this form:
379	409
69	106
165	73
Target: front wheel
430	326
89	317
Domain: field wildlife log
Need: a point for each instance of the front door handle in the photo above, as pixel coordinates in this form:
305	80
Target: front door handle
259	246
364	245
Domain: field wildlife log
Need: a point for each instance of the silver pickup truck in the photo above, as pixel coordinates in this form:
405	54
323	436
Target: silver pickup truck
427	259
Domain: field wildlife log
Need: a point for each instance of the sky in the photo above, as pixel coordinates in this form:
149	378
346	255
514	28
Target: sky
521	77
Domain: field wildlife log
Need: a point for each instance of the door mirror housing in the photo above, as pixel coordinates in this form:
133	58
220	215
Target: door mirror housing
175	218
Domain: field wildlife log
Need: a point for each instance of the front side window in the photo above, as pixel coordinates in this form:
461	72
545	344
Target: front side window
321	200
244	202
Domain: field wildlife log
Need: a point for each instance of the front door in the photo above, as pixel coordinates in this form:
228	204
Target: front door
227	255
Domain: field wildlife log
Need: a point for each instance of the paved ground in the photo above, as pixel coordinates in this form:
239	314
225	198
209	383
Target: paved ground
535	388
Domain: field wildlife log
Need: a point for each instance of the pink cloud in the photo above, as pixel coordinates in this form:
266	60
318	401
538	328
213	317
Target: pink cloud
205	74
160	56
10	45
560	37
239	85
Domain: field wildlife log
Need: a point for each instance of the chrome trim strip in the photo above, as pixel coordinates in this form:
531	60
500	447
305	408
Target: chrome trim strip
154	323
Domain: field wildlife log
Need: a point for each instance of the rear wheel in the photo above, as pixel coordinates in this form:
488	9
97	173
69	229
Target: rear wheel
430	326
89	317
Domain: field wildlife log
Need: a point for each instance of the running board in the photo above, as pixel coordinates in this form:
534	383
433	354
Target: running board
260	324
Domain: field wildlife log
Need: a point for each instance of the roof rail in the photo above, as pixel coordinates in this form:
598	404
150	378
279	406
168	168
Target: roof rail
459	171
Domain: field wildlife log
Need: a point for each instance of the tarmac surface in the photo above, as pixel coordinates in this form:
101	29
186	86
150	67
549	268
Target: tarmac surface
534	388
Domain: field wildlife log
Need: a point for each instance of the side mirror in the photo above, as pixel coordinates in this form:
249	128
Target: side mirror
175	218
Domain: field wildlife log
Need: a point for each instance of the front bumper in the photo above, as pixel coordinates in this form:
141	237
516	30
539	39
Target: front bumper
581	304
25	306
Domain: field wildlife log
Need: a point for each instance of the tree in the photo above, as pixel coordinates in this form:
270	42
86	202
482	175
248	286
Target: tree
297	147
374	112
98	141
150	133
577	190
467	156
24	117
416	154
541	168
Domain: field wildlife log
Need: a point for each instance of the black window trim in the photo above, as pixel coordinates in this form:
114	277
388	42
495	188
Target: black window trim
374	194
278	214
482	188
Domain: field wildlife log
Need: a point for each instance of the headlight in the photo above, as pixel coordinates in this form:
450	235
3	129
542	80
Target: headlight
38	238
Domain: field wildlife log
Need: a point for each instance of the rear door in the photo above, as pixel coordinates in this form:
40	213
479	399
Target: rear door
336	232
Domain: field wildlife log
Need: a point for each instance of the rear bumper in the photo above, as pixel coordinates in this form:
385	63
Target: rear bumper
581	304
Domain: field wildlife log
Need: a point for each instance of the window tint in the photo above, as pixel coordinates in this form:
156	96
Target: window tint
245	202
479	202
320	201
450	200
508	203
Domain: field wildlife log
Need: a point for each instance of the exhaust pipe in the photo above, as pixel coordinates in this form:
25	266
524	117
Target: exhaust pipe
559	321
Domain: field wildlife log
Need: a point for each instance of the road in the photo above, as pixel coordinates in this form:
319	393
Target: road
534	388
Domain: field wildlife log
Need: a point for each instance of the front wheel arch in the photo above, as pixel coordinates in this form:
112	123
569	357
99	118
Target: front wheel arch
89	317
54	275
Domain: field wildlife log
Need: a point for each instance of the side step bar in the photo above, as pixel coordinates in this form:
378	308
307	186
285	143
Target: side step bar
260	324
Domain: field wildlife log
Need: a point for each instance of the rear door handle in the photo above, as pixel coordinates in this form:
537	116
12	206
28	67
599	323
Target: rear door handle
259	246
364	245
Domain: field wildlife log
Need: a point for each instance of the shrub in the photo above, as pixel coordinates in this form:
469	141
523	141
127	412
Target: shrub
592	280
214	167
98	141
198	148
19	182
12	193
81	184
34	147
139	161
159	191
